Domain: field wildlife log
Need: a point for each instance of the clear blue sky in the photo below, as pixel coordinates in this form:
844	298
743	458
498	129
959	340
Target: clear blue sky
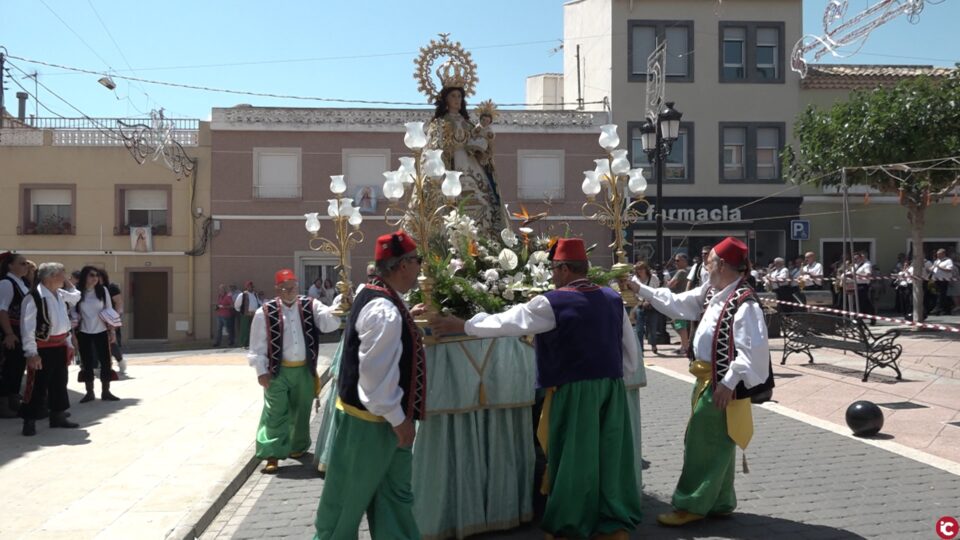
355	49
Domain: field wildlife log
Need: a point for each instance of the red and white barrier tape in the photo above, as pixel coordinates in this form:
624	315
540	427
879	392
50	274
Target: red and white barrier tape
893	277
865	316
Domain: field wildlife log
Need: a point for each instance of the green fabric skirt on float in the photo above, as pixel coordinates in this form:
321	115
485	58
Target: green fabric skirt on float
473	458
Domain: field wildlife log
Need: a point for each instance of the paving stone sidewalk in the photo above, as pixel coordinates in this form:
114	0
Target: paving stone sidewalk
804	482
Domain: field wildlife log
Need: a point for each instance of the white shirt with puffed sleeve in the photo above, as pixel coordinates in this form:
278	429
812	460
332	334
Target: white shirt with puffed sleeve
294	345
56	305
752	363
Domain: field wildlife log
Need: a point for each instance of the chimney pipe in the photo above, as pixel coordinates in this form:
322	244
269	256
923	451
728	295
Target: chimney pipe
22	106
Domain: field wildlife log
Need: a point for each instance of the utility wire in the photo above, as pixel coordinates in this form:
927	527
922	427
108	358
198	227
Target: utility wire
37	100
269	94
122	55
106	130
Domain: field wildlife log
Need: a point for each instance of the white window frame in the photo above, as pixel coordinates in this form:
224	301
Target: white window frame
743	52
776	52
258	152
824	241
954	239
354	186
558	155
776	150
741	164
34	205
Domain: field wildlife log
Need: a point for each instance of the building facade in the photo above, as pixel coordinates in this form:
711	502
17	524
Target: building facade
71	192
727	71
273	165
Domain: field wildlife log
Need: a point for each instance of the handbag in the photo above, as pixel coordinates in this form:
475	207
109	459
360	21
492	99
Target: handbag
111	318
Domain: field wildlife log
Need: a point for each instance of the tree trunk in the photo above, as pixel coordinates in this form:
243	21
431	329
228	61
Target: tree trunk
916	213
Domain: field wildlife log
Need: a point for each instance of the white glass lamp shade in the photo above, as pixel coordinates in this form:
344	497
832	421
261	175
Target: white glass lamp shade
388	176
337	185
637	184
393	190
414	138
355	217
408	168
313	222
451	184
433	166
333	208
346	206
620	164
608	137
591	183
603	169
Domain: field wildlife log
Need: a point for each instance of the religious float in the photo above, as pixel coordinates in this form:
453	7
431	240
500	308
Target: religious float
474	455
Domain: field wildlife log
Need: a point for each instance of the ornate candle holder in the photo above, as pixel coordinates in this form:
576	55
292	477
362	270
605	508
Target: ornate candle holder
419	210
615	209
344	216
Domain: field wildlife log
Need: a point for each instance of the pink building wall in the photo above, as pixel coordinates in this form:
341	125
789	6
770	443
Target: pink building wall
258	236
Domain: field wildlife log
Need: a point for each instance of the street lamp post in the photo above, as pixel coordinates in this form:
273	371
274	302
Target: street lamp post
657	141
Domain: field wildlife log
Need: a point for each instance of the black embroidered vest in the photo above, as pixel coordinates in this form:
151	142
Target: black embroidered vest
42	331
273	316
13	310
413	372
724	348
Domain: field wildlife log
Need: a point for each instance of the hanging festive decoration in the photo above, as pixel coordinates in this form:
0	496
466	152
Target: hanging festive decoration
156	142
839	34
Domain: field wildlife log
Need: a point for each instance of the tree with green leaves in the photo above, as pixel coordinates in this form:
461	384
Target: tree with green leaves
897	140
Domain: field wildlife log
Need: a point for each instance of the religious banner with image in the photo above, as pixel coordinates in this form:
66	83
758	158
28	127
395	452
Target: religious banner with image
141	239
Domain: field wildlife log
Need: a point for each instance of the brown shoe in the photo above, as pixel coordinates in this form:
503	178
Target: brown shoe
271	466
296	455
678	518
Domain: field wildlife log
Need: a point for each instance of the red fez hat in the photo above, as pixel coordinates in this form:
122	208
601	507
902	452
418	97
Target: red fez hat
4	256
284	275
568	249
731	250
395	244
248	284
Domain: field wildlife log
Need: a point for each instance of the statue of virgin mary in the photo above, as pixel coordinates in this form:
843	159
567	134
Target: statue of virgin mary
452	131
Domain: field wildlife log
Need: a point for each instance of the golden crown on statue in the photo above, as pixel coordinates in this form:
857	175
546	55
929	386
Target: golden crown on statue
452	74
458	71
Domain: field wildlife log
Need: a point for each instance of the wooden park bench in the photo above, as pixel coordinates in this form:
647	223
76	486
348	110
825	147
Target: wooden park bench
805	331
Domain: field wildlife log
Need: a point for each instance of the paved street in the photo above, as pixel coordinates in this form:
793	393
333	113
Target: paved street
805	482
143	467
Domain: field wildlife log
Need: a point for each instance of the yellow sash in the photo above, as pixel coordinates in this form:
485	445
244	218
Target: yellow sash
293	363
359	413
739	413
543	434
301	363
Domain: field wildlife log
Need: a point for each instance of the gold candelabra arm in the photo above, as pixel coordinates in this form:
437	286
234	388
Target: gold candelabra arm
323	245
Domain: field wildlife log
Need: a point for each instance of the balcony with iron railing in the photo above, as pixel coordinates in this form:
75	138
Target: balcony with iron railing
91	131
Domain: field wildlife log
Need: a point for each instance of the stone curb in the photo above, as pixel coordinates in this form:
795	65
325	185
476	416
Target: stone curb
200	518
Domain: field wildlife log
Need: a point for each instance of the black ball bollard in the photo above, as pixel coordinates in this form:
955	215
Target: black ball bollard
864	418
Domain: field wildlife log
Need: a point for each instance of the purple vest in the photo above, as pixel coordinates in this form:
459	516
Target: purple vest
586	344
